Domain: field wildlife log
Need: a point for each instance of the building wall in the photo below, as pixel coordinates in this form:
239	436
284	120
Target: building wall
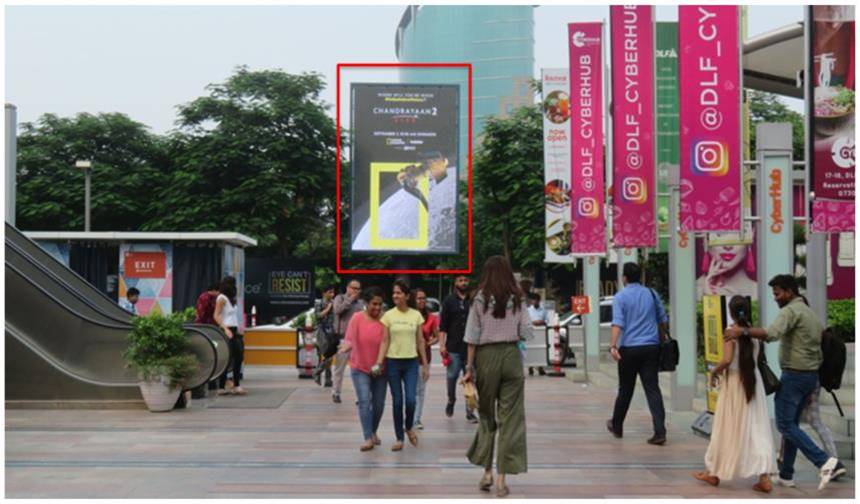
497	40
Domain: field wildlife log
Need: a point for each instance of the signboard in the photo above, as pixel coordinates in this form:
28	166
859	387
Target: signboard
556	159
148	267
580	305
714	320
588	226
666	78
404	149
710	85
633	188
278	287
832	113
145	264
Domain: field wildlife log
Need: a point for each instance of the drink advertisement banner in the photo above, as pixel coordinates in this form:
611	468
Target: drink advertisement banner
588	226
633	188
831	74
666	78
404	149
556	158
710	91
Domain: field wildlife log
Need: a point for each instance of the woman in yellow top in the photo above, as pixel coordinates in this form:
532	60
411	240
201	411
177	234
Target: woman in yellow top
402	344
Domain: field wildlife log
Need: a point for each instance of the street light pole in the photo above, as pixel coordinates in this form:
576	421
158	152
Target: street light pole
87	167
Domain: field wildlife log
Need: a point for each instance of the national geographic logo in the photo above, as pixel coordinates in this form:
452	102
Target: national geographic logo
286	283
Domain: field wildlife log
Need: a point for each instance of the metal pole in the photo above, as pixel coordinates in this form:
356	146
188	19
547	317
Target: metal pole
11	160
87	176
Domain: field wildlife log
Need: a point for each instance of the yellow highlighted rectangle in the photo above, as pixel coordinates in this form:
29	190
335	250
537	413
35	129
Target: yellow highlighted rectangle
422	241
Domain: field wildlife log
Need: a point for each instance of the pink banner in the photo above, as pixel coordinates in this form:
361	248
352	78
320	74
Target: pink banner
588	226
633	190
710	106
832	216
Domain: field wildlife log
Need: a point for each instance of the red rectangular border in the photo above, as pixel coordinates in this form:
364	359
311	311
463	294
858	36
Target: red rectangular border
468	270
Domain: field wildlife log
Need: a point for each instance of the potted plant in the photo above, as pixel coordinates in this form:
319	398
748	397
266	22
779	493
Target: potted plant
158	349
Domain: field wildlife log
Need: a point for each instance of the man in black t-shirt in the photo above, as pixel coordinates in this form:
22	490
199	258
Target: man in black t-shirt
452	327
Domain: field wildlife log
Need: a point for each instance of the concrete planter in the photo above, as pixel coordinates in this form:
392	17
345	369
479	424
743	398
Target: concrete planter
158	394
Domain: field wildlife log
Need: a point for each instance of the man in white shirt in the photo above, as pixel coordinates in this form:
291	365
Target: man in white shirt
537	314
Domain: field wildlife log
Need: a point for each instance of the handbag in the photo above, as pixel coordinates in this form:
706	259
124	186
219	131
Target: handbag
768	378
670	355
325	342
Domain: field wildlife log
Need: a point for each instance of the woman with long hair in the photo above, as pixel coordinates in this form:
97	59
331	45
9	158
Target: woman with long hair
430	331
361	342
227	318
402	345
498	320
741	443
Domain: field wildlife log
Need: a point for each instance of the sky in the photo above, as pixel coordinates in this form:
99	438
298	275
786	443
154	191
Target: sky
145	60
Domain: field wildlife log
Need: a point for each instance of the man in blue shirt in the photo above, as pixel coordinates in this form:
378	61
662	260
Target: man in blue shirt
638	324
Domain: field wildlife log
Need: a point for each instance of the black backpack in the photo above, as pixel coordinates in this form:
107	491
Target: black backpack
833	362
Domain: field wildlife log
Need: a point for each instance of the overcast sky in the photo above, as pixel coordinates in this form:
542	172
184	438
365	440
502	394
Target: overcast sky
145	60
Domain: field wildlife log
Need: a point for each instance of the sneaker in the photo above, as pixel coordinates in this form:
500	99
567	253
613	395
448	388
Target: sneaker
788	483
449	410
827	471
838	471
541	371
419	425
471	418
336	398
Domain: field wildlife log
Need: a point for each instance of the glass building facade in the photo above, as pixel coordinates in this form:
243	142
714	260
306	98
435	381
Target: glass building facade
497	40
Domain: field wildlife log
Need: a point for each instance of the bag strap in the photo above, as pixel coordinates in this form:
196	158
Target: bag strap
657	316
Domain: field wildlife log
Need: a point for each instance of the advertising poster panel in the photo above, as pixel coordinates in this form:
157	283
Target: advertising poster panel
404	152
714	319
556	158
588	222
832	111
148	268
710	100
633	188
666	78
278	287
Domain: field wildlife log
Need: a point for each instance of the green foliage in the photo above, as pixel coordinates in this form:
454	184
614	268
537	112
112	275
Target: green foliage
158	346
656	272
841	316
50	190
767	107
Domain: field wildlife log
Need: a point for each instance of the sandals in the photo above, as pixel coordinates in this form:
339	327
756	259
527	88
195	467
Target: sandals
367	446
376	440
238	391
764	485
502	491
486	483
397	446
413	438
707	478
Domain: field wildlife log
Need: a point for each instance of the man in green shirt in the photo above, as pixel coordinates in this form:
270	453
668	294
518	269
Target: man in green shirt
799	332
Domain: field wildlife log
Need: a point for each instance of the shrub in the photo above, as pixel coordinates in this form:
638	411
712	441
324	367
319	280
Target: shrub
840	316
158	346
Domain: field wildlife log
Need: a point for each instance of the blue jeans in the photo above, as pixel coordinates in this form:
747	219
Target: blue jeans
452	373
371	400
403	379
789	402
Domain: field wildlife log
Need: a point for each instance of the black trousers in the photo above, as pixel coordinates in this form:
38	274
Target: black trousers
645	362
237	355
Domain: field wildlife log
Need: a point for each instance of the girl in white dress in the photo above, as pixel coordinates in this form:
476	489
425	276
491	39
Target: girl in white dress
741	439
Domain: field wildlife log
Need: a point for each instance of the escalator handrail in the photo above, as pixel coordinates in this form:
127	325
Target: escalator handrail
126	327
47	357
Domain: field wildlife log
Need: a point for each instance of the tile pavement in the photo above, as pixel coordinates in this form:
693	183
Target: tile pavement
308	448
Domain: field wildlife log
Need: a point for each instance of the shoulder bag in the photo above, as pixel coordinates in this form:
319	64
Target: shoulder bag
669	353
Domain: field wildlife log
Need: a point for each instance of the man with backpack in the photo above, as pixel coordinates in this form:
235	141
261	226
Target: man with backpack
800	357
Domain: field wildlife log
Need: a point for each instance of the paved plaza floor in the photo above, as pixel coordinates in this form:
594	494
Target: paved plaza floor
308	448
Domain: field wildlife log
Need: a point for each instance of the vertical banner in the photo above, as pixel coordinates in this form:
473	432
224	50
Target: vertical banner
588	226
709	37
666	78
404	168
556	159
149	268
633	188
714	319
831	74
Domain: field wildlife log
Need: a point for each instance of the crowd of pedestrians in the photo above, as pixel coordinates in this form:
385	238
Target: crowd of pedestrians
481	334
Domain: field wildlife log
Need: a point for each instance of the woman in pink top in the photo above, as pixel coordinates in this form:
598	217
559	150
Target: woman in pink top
430	331
362	339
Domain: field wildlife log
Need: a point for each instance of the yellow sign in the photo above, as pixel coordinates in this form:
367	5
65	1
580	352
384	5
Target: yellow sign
714	320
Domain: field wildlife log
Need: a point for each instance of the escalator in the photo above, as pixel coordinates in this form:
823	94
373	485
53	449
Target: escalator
65	339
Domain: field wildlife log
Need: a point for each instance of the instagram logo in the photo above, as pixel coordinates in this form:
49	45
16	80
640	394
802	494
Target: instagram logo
634	190
587	207
710	158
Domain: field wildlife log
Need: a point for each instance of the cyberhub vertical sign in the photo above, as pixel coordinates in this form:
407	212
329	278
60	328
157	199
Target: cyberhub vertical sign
633	189
710	86
588	229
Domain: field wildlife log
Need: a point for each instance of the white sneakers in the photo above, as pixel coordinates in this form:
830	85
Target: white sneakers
830	470
784	482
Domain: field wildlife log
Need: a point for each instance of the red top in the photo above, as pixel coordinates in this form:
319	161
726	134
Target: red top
427	328
364	335
206	309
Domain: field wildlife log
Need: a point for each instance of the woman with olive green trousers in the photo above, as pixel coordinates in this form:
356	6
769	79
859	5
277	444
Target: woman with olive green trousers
497	320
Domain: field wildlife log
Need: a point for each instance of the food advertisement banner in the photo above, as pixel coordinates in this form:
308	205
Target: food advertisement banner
832	79
556	159
666	78
633	188
588	221
404	149
710	99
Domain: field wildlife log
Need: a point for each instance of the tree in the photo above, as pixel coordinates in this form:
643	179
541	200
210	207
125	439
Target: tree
257	156
767	107
50	190
508	189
